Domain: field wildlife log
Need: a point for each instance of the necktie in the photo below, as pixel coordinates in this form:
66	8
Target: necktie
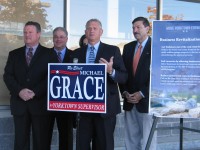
136	58
29	55
91	58
59	57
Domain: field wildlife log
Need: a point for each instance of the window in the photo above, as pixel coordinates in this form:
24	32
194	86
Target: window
13	15
181	10
116	17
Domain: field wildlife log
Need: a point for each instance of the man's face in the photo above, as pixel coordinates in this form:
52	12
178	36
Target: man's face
31	36
93	32
140	31
59	40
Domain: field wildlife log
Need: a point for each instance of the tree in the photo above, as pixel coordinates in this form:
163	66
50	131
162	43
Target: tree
21	11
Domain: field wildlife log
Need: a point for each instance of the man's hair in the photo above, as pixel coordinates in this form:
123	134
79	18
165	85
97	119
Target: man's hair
93	20
61	29
36	24
143	19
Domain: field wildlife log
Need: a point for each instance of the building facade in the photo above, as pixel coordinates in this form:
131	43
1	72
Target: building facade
116	17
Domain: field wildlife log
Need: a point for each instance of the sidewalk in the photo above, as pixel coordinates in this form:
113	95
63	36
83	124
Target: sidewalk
167	139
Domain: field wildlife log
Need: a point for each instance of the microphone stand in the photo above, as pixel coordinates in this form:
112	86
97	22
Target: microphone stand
77	130
75	60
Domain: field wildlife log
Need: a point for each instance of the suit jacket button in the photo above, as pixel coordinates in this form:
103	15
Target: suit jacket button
27	79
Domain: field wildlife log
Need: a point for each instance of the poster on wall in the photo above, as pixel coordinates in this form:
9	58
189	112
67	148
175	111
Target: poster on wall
175	69
77	87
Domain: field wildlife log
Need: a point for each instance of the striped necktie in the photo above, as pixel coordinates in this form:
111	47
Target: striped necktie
59	57
29	55
91	57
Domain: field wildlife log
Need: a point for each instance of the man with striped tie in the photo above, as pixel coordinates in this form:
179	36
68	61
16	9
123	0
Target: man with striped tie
64	120
25	76
99	128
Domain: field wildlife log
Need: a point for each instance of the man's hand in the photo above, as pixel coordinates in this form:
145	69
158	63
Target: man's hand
26	94
132	98
109	64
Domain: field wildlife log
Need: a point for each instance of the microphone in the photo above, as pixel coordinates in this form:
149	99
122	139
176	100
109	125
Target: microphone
75	60
78	116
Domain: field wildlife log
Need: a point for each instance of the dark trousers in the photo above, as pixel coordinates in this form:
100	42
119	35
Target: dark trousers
99	130
64	121
26	123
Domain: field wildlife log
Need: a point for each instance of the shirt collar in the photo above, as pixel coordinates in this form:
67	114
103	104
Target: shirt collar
96	46
62	51
34	48
143	43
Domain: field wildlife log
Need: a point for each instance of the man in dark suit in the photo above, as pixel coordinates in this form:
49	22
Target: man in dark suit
136	90
100	127
26	78
64	120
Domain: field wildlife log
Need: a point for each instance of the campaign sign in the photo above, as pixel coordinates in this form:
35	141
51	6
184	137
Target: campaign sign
77	87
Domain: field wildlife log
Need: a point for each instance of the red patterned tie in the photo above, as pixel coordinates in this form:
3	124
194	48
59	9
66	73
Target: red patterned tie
29	56
136	58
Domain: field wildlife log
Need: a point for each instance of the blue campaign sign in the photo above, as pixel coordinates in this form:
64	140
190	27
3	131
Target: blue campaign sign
175	69
77	87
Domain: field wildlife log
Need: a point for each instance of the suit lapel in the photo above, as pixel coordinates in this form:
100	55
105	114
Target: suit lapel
81	54
131	55
144	53
84	51
67	56
22	56
37	53
99	52
146	50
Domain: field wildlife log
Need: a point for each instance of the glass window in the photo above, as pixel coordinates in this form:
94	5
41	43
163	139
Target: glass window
181	9
13	15
115	15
